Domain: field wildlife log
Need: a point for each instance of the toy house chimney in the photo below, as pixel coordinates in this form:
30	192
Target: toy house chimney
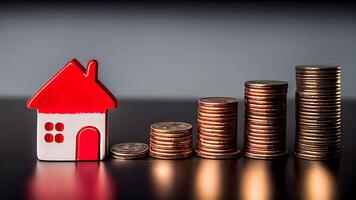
92	69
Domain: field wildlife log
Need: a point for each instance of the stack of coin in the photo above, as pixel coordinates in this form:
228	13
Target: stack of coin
171	140
265	119
217	128
318	112
128	151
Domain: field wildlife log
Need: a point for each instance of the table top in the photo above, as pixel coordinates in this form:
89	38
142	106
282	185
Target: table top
24	177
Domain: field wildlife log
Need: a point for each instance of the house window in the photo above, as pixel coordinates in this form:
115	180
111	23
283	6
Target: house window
48	137
59	137
59	126
49	126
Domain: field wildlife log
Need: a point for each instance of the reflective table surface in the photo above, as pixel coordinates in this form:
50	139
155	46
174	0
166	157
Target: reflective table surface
24	177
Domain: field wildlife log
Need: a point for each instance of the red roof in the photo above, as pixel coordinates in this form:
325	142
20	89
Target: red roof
74	89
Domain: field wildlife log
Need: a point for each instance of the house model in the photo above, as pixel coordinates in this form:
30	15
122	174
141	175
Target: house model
72	115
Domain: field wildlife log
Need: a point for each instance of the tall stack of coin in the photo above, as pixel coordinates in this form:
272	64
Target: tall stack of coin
171	140
217	128
265	119
318	112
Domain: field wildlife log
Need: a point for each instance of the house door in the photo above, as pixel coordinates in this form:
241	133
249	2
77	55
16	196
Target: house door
88	144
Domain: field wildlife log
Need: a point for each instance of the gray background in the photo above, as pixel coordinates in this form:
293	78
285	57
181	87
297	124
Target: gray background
175	51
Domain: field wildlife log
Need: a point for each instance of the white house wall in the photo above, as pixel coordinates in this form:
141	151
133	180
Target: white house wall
72	124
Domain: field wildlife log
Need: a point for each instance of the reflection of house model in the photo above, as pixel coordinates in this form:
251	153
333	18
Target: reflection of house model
72	114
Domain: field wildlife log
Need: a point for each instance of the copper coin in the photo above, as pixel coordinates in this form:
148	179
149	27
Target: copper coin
229	109
218	115
259	151
318	111
275	102
257	127
210	150
323	138
217	156
265	110
266	137
162	150
214	146
258	84
209	129
170	139
263	156
217	142
262	117
303	75
171	126
231	126
308	156
265	97
219	138
171	156
218	135
264	121
173	143
171	135
217	119
321	148
318	133
271	95
217	101
271	135
318	68
164	146
266	90
266	146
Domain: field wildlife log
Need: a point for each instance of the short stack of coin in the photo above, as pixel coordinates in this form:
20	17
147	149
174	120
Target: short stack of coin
217	128
318	112
265	119
129	151
171	140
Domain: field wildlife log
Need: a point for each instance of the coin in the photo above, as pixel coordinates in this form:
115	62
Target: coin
217	156
170	156
318	112
217	101
129	150
171	140
265	119
258	84
217	126
170	126
265	156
